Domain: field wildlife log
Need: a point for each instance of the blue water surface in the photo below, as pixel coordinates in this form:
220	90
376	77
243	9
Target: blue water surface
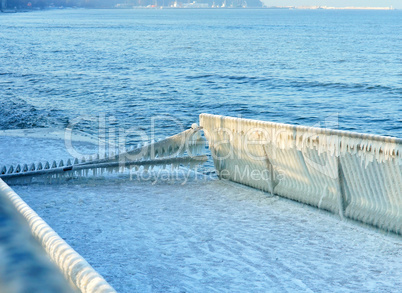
127	66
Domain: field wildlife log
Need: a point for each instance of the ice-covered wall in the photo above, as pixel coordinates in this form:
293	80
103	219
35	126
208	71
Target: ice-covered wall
354	175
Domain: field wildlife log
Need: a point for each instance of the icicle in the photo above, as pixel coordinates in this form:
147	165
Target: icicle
162	152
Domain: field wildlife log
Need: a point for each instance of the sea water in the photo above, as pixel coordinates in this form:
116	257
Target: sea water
133	68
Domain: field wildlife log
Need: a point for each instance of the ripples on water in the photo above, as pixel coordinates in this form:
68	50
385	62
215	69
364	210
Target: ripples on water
294	67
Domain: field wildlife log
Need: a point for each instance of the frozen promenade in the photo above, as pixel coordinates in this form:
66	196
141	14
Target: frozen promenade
214	236
208	235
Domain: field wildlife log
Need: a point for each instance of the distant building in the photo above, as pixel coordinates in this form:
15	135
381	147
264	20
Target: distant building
189	3
194	4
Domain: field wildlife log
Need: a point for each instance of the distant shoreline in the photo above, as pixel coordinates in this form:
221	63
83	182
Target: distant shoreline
208	8
330	8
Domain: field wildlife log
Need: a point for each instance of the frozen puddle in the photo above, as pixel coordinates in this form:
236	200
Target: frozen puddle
212	236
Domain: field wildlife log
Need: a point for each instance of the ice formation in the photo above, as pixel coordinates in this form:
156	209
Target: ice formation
180	149
355	175
75	268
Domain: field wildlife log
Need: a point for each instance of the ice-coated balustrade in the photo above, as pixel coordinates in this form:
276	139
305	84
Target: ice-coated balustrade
23	264
25	235
357	176
179	149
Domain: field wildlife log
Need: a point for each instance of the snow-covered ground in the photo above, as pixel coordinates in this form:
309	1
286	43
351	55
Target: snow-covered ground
206	235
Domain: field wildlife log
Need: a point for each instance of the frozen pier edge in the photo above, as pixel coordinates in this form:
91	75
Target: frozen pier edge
354	175
146	234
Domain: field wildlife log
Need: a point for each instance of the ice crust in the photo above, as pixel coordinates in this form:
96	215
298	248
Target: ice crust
353	175
145	234
208	235
189	143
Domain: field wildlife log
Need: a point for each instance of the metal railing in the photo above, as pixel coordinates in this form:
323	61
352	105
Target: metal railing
23	234
24	249
357	176
179	149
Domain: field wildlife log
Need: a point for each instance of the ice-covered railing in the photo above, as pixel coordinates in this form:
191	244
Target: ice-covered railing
355	175
26	245
180	149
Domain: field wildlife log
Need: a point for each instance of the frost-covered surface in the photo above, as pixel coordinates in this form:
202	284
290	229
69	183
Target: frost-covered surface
211	235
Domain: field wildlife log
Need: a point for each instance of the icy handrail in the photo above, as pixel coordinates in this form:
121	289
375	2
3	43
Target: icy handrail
188	141
75	268
358	176
169	151
101	167
323	139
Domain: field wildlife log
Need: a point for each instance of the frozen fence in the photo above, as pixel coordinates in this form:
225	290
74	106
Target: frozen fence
23	264
354	175
29	237
179	149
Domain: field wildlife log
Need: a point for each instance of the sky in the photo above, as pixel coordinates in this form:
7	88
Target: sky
335	3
